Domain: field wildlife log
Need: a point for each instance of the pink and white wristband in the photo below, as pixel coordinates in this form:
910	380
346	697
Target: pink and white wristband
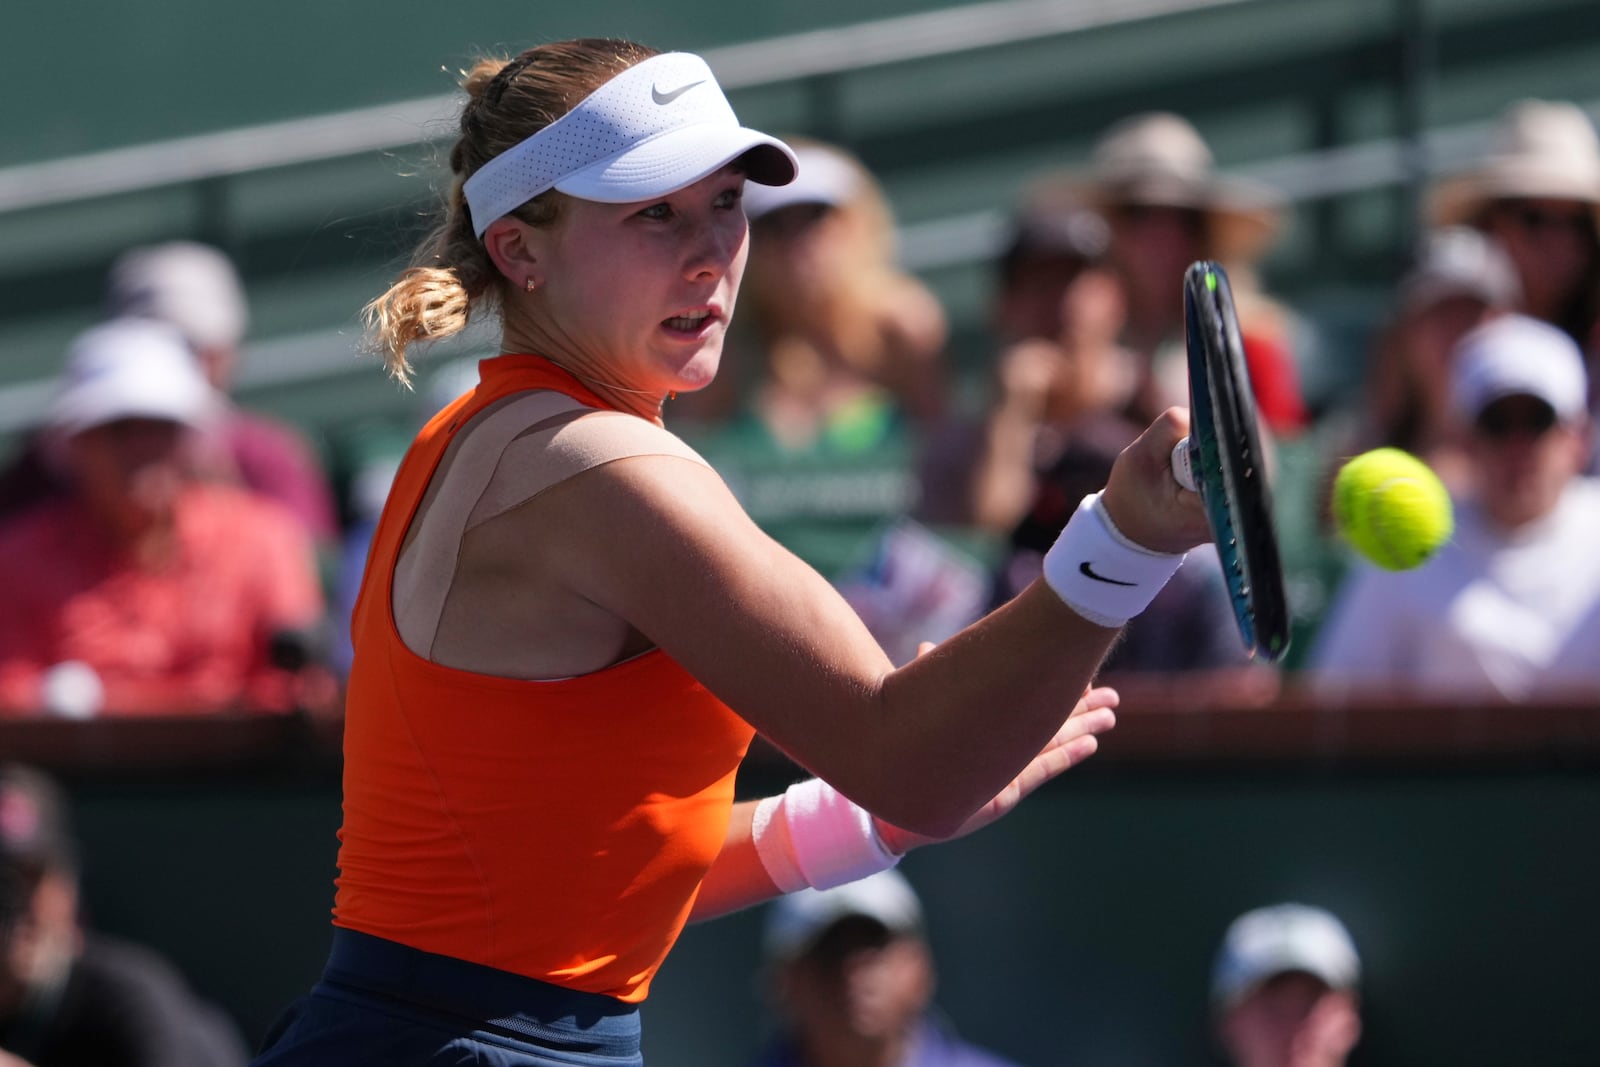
1099	572
811	835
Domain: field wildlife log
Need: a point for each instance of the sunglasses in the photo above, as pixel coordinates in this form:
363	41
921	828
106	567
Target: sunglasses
1499	423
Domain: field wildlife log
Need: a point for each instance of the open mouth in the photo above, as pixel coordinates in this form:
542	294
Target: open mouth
692	322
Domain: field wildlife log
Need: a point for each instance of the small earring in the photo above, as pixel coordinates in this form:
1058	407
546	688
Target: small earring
530	285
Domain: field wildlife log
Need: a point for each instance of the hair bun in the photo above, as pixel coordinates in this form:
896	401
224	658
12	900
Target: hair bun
483	72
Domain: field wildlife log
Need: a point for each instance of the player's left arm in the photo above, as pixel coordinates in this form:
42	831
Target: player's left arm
737	879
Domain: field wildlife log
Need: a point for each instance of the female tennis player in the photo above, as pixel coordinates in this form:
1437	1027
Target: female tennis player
569	630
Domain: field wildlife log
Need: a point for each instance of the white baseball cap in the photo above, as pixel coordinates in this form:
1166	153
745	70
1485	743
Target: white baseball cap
1514	355
796	920
1280	939
130	368
823	176
658	126
193	286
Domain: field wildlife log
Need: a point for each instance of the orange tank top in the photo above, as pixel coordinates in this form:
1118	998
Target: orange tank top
554	829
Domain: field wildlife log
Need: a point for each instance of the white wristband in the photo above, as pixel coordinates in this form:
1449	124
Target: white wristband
1099	572
813	836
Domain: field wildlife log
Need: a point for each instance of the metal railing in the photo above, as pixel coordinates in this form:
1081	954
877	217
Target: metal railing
386	127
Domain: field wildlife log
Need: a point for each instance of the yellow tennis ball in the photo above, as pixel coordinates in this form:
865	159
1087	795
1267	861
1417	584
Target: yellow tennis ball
1392	508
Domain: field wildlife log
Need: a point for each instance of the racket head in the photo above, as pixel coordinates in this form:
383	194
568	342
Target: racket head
1229	463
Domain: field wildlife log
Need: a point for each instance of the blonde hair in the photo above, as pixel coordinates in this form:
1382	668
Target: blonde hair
451	274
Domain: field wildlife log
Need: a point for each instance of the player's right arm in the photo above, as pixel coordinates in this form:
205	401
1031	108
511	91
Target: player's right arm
661	543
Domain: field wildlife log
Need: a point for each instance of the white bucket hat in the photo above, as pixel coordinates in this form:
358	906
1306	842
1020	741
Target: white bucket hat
1538	149
1159	159
130	368
658	126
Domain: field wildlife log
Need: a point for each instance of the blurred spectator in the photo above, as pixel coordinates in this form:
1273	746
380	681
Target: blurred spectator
852	979
1057	313
1488	615
838	361
1536	191
70	996
1461	279
1063	410
1151	176
140	589
196	288
1284	989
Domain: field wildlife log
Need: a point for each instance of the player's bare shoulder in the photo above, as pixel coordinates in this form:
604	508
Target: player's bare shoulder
580	441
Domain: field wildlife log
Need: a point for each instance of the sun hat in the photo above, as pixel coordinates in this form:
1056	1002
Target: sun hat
1538	149
194	287
1515	355
1460	261
130	368
658	126
1158	159
797	920
822	176
1281	939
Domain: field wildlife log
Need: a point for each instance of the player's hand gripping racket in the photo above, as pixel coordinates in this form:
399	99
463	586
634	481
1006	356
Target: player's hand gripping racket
1222	460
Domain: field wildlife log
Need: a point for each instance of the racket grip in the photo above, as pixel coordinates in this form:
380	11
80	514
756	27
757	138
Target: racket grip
1183	465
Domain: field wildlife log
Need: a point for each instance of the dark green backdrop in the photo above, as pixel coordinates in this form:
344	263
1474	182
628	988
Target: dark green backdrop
1078	931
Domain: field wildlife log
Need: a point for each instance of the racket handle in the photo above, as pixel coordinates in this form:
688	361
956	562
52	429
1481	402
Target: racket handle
1183	465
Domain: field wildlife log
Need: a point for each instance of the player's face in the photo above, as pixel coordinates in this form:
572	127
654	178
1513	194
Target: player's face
639	295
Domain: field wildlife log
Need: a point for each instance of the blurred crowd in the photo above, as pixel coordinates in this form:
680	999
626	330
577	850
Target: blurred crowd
167	550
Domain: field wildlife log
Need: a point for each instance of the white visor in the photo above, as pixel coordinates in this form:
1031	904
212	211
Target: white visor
656	127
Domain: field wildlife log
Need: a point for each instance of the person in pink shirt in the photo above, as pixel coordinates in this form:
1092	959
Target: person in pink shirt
142	589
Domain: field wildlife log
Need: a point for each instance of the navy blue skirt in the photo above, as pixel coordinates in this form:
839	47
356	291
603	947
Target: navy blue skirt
383	1003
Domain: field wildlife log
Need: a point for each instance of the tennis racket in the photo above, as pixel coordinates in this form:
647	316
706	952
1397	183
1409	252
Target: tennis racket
1222	460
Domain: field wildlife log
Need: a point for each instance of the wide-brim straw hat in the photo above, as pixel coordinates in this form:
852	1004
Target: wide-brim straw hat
1539	149
1159	159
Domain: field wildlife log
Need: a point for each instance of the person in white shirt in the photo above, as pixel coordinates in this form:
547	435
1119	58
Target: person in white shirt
1502	601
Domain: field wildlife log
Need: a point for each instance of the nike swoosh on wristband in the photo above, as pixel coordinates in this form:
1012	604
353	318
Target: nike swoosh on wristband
666	98
1088	572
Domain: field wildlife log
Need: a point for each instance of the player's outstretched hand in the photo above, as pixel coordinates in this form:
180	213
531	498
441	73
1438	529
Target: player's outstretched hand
1076	741
1145	500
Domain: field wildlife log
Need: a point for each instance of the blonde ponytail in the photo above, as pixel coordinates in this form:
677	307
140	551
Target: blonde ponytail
435	297
507	102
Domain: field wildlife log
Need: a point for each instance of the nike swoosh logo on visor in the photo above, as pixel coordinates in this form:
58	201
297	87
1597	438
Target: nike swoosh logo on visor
1088	572
666	98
